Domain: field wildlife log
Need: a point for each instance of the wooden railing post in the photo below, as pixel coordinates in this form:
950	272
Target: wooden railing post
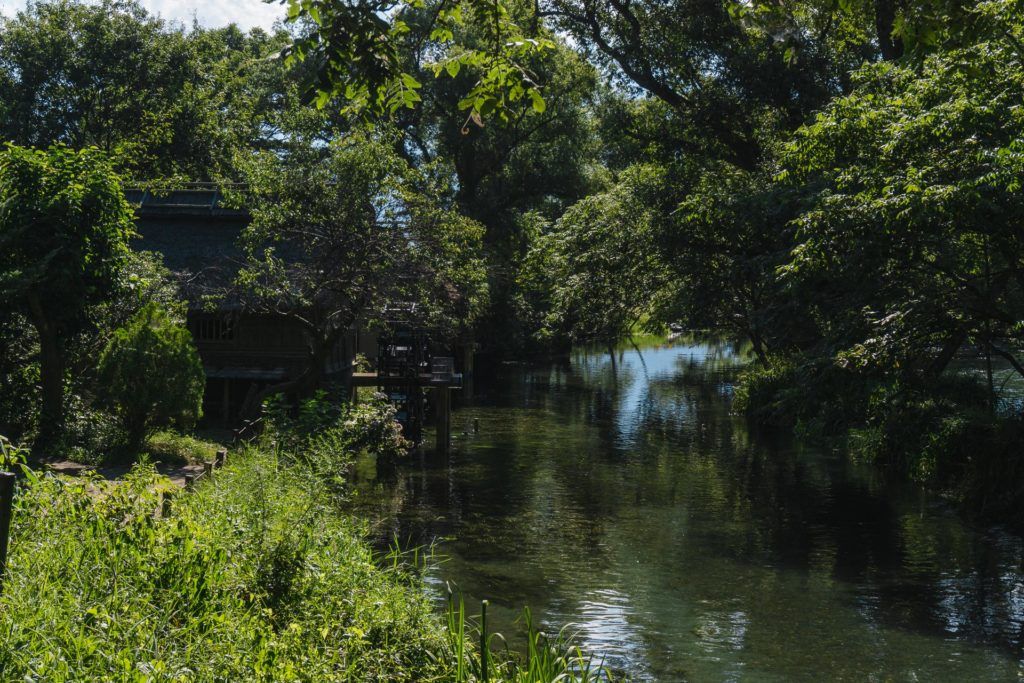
7	480
485	649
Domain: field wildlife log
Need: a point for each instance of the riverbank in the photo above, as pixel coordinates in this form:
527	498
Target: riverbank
252	577
258	574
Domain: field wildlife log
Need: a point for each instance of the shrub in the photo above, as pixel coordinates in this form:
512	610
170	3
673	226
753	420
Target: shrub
151	375
326	434
171	447
818	397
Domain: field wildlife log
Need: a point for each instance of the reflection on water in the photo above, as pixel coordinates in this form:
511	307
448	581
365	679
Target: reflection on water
620	495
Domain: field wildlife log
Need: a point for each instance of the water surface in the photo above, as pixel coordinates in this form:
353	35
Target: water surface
621	496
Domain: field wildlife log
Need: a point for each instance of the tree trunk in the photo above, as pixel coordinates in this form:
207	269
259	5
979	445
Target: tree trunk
885	21
946	354
51	374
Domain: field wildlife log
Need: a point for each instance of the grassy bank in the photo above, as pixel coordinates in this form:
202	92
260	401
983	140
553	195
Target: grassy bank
254	576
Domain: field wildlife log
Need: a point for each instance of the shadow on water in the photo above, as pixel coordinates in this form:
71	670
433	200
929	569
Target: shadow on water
626	499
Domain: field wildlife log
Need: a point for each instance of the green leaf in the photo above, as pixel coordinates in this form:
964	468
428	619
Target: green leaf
539	105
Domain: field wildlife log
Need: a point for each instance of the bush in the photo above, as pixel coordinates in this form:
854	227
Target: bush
151	375
942	431
819	398
326	434
171	447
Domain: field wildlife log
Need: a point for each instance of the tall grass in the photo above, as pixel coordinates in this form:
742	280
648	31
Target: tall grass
255	576
547	658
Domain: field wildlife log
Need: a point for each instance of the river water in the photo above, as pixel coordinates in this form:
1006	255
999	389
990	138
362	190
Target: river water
621	497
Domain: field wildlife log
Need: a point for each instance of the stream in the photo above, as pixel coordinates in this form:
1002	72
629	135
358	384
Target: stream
620	498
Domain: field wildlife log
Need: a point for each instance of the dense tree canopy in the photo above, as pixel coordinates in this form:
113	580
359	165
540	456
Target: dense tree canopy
835	183
338	234
64	228
914	236
163	100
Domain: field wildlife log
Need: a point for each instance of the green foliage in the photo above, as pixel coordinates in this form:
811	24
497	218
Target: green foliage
19	375
815	396
64	225
723	246
64	230
548	658
358	53
151	375
162	100
339	233
599	261
11	456
325	434
911	246
505	174
253	577
168	446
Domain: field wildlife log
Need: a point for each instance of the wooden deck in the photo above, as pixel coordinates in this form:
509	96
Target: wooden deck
372	379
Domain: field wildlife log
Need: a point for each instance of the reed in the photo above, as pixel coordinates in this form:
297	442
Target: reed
547	658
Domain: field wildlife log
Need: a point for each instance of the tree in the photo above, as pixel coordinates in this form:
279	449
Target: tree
601	266
358	53
151	375
64	229
723	246
341	232
912	245
534	161
162	100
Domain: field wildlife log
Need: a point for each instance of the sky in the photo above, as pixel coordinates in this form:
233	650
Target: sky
245	13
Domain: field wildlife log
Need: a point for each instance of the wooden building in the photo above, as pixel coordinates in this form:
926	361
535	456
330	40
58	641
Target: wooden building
241	353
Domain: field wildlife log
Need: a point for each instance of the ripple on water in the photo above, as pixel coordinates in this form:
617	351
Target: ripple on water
625	499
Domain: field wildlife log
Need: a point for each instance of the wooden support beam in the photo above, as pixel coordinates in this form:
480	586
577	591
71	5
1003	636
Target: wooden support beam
442	419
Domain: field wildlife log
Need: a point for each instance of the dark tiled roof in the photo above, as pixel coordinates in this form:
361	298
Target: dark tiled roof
193	199
195	234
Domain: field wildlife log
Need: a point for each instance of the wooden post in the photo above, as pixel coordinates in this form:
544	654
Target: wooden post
190	482
6	505
208	469
165	506
484	648
442	419
222	457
